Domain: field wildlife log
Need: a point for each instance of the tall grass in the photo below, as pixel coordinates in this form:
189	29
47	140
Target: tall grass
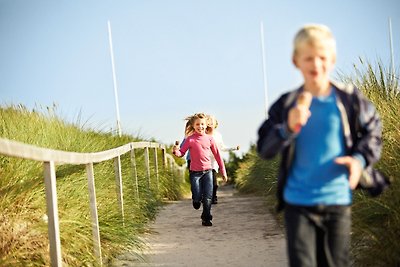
376	221
23	222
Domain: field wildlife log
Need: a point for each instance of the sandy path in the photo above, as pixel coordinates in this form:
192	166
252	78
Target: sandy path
243	234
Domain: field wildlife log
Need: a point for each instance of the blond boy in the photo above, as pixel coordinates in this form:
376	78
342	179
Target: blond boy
327	133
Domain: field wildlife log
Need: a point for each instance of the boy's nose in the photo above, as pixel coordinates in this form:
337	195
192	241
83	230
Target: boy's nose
317	62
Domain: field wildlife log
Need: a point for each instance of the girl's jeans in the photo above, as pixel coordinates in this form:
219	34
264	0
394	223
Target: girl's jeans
318	236
202	190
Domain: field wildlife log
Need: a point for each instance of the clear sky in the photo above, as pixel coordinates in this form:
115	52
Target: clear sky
174	58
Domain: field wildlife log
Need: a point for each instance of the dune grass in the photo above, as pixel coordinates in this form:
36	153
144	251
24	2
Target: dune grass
376	221
23	221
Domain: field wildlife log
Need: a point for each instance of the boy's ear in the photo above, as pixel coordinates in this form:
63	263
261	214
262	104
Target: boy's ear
294	61
334	59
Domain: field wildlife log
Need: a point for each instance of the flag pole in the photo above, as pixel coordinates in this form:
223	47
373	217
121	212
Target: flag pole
391	46
114	78
264	71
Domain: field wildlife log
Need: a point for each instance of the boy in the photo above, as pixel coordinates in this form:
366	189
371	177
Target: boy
325	143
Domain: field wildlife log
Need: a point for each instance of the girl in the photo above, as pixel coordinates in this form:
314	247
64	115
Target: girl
211	129
200	146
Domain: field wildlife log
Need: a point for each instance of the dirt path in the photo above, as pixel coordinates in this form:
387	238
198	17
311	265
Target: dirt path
243	234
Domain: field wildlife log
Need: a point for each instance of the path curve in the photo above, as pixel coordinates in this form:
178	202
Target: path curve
243	234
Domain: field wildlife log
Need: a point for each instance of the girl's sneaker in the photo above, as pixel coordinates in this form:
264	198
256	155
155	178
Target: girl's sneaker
196	204
206	223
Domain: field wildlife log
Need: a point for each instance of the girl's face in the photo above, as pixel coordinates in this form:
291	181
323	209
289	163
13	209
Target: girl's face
200	125
211	123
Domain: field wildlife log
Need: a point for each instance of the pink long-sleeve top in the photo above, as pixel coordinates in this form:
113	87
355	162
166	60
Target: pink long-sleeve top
201	147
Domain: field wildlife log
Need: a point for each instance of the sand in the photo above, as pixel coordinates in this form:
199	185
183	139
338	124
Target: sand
243	234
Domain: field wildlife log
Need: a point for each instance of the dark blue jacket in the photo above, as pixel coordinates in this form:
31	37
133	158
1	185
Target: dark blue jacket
362	134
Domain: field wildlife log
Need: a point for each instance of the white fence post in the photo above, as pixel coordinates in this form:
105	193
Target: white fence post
134	172
156	168
52	213
147	164
164	157
118	181
93	212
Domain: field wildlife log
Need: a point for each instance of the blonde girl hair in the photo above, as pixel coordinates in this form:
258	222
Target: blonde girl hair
189	129
213	120
314	34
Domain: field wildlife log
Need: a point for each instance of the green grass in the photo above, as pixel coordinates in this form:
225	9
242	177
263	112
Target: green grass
376	221
23	227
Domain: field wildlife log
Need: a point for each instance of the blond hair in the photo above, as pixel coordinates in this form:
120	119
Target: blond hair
189	129
314	34
211	118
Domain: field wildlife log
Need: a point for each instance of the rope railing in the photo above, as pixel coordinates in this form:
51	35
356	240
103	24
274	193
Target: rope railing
51	157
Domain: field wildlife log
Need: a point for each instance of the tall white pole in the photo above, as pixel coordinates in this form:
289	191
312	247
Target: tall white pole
391	47
264	71
114	79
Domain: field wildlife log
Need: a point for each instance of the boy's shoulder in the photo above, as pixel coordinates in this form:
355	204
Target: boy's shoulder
348	88
289	97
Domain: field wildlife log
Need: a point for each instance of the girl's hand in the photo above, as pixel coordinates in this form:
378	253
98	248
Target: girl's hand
354	167
174	149
225	178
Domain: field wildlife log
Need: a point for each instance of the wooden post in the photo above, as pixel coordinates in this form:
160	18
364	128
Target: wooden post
118	181
164	157
93	212
134	172
156	168
147	165
52	213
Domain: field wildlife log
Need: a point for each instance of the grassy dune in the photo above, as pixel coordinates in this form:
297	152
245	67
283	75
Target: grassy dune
23	222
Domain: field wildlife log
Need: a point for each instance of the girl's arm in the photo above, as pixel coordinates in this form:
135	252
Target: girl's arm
220	143
218	158
181	151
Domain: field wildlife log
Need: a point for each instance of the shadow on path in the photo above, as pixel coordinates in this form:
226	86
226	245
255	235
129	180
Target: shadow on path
243	234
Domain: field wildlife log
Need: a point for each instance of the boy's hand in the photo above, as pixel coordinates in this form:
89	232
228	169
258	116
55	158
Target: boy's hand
299	114
298	117
238	147
354	167
225	178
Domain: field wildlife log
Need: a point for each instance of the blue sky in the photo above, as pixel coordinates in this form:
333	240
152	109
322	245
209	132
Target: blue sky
173	58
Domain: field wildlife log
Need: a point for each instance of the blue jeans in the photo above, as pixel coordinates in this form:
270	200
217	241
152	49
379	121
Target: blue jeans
202	190
318	236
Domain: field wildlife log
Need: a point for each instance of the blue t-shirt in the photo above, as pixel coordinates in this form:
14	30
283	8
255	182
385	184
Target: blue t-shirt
314	177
